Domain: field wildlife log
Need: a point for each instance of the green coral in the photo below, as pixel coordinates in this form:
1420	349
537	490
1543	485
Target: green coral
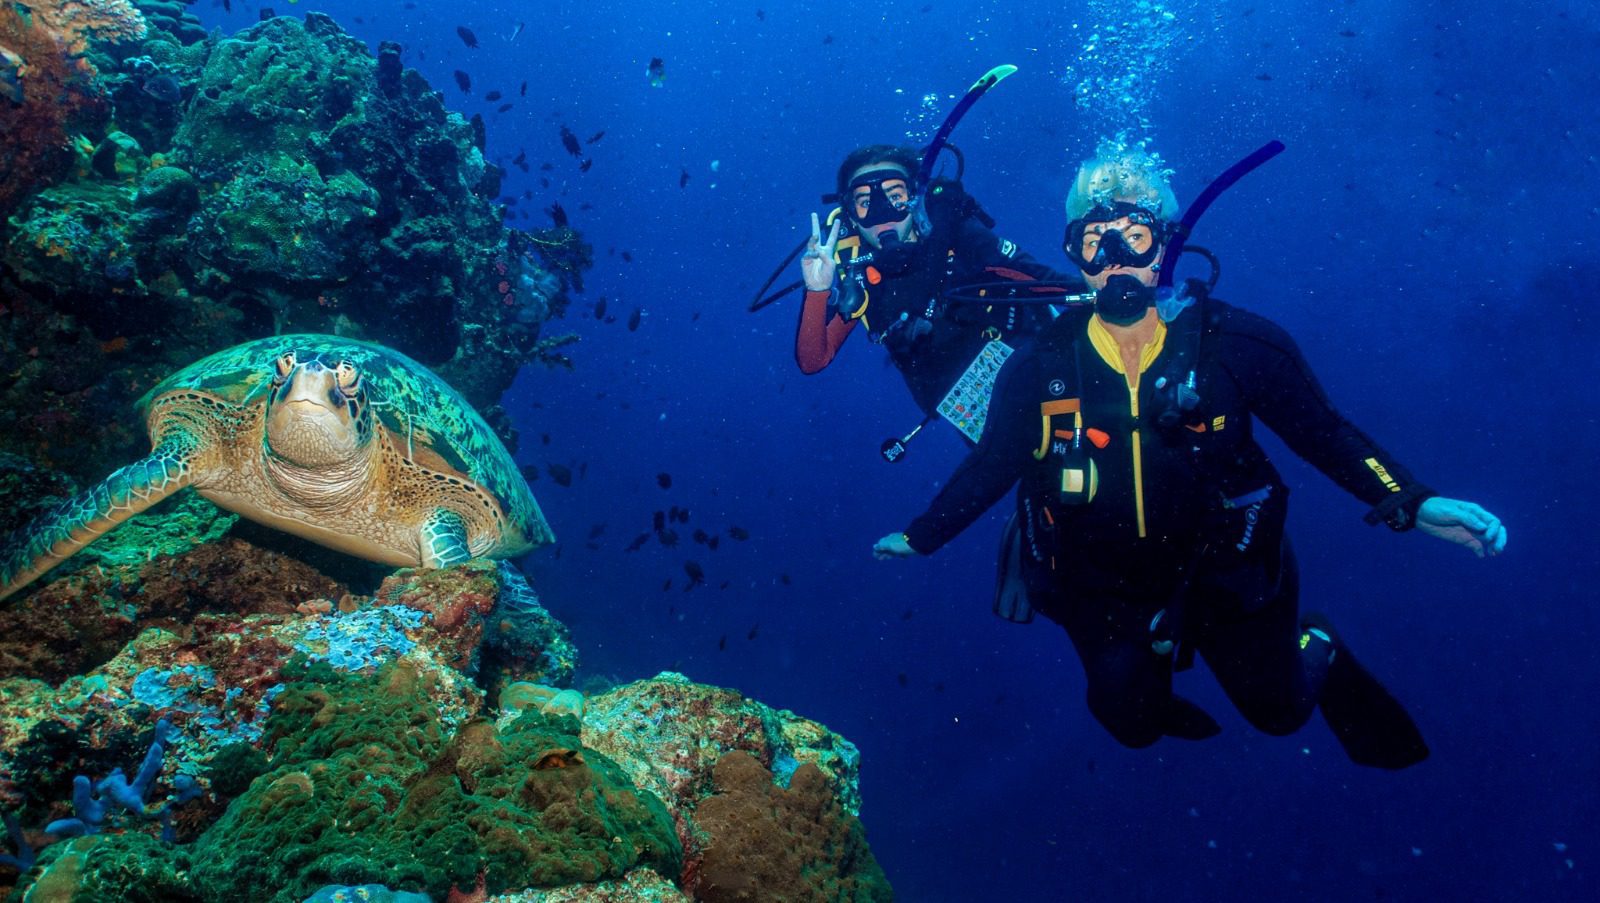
171	528
367	786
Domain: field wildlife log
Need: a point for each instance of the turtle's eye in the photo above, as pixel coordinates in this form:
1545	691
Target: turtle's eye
284	366
348	377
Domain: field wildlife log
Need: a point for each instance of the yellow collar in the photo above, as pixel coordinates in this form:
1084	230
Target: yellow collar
1105	344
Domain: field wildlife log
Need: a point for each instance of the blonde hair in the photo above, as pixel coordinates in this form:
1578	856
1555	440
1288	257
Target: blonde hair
1120	171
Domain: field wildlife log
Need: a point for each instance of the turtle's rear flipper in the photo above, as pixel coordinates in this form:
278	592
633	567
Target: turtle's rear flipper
57	536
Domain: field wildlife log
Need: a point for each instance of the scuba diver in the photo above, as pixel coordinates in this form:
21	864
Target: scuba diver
1152	523
894	252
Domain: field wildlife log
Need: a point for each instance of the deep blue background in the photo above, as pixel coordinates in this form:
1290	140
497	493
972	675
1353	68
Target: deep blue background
1428	238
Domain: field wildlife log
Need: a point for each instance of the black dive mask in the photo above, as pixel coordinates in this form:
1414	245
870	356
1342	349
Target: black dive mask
1094	251
888	199
1123	299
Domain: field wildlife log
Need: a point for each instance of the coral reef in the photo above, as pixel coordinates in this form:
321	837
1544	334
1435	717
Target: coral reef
278	179
369	783
57	93
794	845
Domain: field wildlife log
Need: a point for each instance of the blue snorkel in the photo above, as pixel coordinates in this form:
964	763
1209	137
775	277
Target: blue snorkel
1169	303
941	138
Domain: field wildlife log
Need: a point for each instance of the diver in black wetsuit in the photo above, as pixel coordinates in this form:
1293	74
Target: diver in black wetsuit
899	299
1152	522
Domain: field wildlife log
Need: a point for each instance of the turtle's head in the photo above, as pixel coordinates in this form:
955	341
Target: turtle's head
317	414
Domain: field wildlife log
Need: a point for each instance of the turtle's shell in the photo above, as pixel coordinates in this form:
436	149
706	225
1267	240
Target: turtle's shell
432	422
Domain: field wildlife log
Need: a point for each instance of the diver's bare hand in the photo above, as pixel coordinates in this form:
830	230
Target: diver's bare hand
893	546
1462	523
817	264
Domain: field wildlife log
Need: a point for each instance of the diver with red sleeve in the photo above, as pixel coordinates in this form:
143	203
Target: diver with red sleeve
1151	521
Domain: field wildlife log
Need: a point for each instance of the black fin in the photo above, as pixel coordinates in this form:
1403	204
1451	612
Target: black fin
1187	721
1372	726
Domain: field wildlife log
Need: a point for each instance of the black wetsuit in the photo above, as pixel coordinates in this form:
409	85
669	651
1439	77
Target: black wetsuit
1132	505
932	359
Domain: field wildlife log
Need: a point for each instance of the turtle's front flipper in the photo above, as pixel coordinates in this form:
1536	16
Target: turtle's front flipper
444	540
57	536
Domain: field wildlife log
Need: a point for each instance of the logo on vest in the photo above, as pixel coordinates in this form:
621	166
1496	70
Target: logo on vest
1057	387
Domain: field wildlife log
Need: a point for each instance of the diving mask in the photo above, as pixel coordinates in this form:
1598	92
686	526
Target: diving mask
879	196
1117	234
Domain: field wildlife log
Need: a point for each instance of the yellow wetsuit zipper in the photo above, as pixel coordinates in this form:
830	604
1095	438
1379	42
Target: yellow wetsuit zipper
1106	346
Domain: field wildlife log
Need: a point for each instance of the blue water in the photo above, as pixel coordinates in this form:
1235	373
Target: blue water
1428	238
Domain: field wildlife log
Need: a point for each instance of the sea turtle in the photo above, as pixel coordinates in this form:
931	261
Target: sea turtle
345	443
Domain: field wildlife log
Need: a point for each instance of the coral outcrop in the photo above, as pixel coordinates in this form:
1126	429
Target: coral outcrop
279	179
777	845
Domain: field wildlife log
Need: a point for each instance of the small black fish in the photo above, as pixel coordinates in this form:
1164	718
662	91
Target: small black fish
784	579
752	634
527	194
557	214
659	520
664	480
668	538
678	515
464	82
700	536
523	91
739	533
492	96
227	6
633	319
906	615
529	472
902	679
585	206
544	439
666	586
570	142
596	531
546	167
722	644
725	584
560	473
656	72
712	540
1347	33
586	165
697	574
761	15
600	309
467	37
596	136
637	543
1264	77
503	108
683	178
827	39
544	182
627	257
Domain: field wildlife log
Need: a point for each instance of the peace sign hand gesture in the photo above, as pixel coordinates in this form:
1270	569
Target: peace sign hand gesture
817	264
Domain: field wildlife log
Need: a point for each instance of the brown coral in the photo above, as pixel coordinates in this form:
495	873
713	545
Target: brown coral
61	95
785	846
78	22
